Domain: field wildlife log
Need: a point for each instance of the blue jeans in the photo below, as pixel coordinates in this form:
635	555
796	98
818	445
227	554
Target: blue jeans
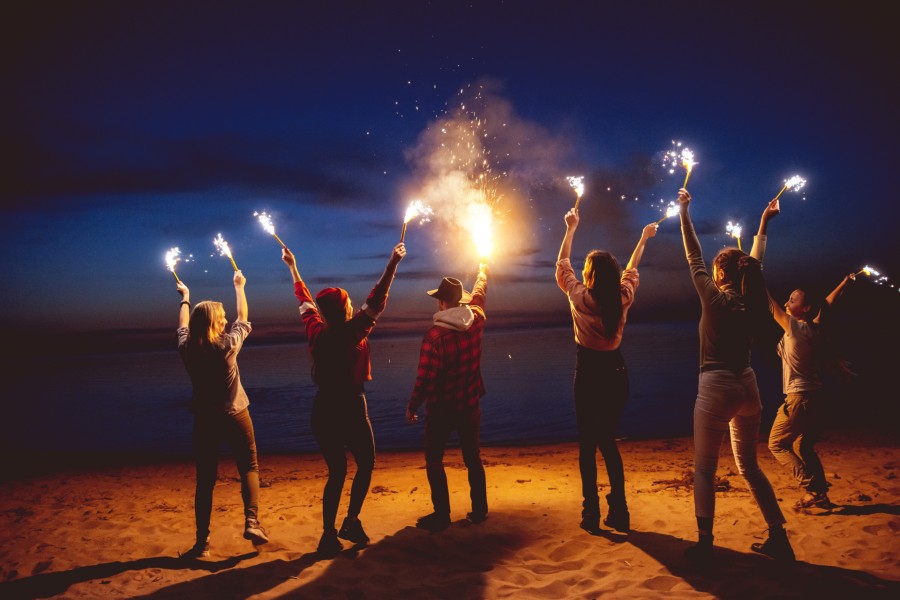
728	400
797	424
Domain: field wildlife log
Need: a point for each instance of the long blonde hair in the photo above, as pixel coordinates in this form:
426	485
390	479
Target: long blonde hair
207	323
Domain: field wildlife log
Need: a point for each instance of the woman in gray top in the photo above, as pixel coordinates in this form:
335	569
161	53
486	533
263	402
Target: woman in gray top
220	407
734	301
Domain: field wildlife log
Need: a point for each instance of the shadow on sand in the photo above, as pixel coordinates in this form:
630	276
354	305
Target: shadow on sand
45	585
734	575
449	564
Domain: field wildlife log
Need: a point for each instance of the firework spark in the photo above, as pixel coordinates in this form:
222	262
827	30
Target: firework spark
265	219
222	246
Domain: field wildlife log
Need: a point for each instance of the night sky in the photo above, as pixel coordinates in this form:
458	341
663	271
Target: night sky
133	127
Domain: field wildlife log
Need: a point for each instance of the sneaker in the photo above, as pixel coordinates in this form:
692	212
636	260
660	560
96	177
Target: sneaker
776	546
199	550
434	522
590	523
353	531
254	532
618	520
815	500
329	545
477	517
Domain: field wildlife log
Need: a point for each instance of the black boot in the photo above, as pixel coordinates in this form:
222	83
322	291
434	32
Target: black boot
618	517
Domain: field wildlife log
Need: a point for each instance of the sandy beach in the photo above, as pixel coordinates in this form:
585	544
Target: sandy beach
116	531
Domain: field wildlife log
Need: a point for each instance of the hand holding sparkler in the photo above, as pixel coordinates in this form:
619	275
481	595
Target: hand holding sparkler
772	209
795	183
222	246
684	198
265	220
577	184
572	219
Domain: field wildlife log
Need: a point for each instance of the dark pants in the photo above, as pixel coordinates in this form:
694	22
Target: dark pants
798	423
340	422
210	431
439	424
601	390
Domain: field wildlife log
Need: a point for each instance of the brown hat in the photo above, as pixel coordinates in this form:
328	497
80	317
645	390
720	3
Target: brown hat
451	291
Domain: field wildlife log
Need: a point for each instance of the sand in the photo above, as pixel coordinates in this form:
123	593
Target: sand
116	531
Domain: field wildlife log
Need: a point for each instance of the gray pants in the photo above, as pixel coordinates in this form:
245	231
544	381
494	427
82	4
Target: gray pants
793	437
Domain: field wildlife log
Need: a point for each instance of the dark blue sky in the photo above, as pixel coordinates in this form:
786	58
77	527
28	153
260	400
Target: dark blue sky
132	127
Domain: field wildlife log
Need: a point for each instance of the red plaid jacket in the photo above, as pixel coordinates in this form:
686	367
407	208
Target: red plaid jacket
449	373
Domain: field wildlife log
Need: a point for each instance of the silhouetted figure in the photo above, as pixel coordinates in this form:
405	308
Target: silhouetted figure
338	343
599	305
449	384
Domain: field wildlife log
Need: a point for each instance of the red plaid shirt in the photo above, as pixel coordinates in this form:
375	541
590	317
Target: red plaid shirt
449	371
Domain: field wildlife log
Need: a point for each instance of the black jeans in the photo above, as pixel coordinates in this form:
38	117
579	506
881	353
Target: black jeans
340	422
601	391
439	424
210	430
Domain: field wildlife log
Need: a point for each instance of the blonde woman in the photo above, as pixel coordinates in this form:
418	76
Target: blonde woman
220	407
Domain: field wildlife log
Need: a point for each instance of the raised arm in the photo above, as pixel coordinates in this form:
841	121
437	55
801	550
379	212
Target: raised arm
648	232
778	313
834	295
239	281
565	250
375	303
288	257
758	251
184	310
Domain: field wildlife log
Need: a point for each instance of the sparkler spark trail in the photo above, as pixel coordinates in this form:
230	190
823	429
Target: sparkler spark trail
222	246
577	184
683	157
794	184
172	258
734	230
265	220
868	271
482	229
415	209
671	211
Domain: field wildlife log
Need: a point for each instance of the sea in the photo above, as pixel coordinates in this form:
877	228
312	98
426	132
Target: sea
136	402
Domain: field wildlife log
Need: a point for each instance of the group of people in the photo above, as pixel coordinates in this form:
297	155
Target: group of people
449	385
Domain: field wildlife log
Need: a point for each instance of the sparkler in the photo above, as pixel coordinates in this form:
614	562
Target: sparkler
577	184
685	158
265	220
482	229
794	184
671	211
734	230
868	271
172	258
222	246
415	209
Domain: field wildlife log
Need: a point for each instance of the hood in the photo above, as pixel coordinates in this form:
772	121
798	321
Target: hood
459	318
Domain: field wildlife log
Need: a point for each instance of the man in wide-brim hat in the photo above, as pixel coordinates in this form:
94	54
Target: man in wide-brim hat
449	384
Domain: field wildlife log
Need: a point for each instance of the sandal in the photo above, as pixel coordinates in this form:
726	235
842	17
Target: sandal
815	500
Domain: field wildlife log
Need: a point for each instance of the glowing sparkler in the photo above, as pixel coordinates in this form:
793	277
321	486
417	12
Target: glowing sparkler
577	184
482	228
868	271
222	246
671	211
172	258
794	184
734	230
415	209
265	220
675	158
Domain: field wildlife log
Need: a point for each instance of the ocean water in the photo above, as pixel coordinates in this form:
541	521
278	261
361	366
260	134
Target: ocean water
136	402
